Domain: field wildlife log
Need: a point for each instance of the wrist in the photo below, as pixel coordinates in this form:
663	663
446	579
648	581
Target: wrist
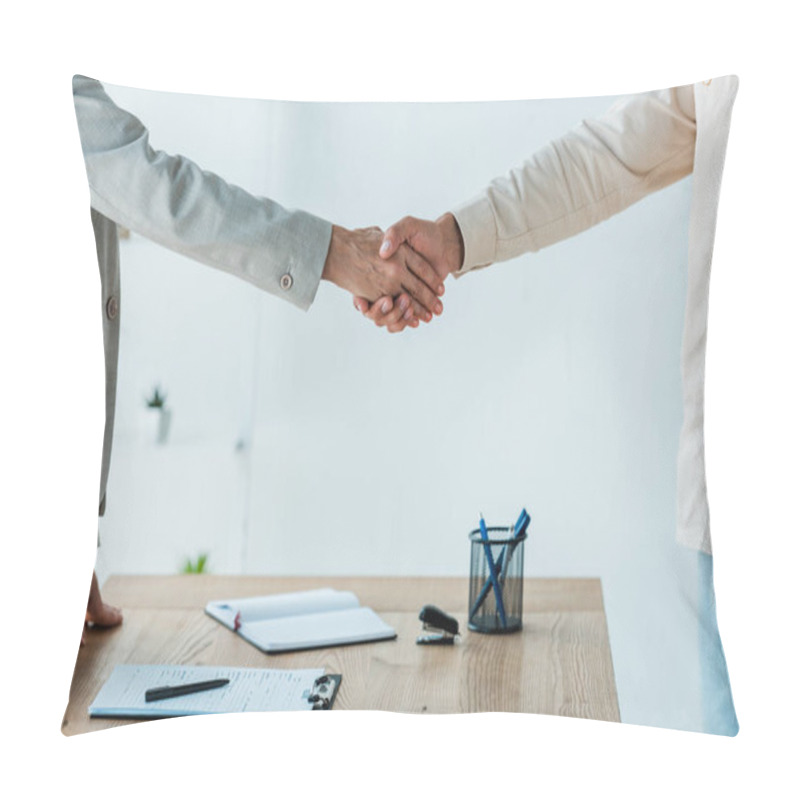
331	271
454	241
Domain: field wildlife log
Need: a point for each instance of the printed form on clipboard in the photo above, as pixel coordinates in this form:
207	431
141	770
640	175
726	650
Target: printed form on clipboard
280	623
124	693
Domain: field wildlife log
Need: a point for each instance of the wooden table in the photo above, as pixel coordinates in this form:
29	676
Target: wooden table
560	663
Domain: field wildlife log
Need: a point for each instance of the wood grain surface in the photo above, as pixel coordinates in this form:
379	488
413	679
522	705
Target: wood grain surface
560	663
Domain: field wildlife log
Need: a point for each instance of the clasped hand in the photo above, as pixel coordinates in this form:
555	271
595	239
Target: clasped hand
429	251
354	264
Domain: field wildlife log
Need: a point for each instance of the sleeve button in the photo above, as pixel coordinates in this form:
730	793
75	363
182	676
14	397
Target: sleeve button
286	281
112	308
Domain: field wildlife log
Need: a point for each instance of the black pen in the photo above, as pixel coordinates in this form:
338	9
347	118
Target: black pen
164	692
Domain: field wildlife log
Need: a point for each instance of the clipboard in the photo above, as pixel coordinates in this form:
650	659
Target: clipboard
122	696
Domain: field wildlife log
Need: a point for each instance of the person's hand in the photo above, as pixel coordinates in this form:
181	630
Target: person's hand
393	314
98	613
353	264
439	242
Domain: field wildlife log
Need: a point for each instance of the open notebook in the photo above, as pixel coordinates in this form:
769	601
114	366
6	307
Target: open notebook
301	620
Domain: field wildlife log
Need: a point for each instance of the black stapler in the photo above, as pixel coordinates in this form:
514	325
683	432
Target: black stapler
434	619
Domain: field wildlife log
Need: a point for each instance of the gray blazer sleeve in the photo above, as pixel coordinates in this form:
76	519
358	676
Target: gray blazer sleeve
170	200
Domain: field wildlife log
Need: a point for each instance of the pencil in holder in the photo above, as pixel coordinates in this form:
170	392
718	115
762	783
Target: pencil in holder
495	581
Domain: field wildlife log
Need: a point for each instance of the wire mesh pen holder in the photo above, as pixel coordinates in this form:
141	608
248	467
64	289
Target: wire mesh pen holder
495	603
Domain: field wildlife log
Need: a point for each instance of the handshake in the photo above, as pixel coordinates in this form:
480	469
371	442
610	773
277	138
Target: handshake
397	277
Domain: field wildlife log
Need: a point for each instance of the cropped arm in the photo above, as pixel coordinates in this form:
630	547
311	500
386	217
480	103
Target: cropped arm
169	199
641	144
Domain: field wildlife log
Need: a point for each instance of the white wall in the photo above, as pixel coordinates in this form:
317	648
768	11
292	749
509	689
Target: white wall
191	330
551	381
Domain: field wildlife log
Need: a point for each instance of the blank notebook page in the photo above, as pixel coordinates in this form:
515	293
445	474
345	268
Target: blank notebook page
343	627
293	603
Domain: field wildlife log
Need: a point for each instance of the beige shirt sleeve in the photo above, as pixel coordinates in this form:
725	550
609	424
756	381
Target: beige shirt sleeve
641	144
169	199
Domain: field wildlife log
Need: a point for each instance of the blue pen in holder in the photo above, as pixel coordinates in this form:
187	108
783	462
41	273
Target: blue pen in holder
495	603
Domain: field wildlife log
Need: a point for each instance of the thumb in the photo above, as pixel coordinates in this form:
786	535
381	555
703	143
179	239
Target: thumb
395	236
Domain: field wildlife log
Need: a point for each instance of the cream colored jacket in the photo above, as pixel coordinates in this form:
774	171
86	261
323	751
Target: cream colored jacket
643	143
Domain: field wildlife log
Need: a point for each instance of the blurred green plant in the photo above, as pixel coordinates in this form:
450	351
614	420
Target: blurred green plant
197	567
157	400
